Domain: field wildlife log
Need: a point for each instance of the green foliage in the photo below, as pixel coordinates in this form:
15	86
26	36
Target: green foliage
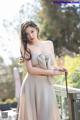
8	101
73	66
72	63
76	79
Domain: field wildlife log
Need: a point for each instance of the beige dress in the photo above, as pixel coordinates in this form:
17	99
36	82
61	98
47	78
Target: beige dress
37	97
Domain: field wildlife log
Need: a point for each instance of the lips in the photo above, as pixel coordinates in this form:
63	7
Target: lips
31	39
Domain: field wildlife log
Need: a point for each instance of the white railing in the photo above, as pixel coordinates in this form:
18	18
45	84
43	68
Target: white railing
61	90
69	104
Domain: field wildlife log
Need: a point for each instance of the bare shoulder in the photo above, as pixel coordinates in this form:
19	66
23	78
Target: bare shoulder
48	42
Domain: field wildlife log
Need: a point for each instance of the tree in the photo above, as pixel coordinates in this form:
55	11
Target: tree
61	24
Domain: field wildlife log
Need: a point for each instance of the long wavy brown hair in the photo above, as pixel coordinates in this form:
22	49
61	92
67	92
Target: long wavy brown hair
26	53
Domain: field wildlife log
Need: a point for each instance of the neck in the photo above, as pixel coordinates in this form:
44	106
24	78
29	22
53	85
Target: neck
35	42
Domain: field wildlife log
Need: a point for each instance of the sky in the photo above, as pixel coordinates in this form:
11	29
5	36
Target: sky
10	43
8	8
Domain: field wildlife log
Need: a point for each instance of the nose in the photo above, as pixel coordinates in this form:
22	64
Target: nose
30	35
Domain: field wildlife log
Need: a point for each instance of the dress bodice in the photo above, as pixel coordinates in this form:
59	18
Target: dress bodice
44	58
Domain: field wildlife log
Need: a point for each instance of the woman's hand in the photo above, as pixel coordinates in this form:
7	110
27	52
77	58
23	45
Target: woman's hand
59	71
63	70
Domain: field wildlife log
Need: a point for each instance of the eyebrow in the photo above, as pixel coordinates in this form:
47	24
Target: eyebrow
30	30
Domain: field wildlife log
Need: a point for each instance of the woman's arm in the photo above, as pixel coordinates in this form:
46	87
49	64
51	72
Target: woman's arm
40	71
55	63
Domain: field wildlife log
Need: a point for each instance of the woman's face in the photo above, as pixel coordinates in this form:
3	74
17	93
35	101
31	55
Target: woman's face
32	34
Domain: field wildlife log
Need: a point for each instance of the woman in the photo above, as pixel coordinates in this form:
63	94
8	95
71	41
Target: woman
37	97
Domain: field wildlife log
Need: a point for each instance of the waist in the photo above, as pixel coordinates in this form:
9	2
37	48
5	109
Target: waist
35	76
30	76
